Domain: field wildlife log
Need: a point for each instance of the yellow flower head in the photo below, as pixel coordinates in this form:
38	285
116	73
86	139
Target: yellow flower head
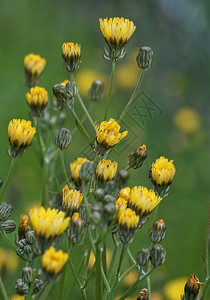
187	120
108	135
162	171
17	297
117	31
20	136
175	288
125	193
71	199
75	167
106	169
71	56
37	100
8	260
127	218
77	219
120	204
53	261
142	200
48	223
63	83
34	64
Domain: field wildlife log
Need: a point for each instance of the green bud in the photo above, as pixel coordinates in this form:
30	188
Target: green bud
136	159
8	226
145	58
110	208
37	286
77	229
87	170
63	138
5	211
157	231
27	274
96	91
143	295
109	199
157	255
143	257
22	288
30	236
99	194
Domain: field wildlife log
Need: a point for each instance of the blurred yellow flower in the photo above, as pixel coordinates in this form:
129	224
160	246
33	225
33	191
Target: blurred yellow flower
8	260
92	258
131	278
53	261
85	78
175	288
17	297
126	75
187	120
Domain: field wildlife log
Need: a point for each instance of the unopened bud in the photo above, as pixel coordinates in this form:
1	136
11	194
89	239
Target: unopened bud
143	257
87	170
157	255
99	194
30	237
5	211
37	286
96	91
143	295
77	229
136	159
27	274
191	288
21	287
8	226
157	231
63	138
145	58
24	226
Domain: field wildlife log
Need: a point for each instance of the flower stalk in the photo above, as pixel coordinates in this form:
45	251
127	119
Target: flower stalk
110	89
8	178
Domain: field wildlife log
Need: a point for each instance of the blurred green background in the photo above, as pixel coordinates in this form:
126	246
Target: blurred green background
175	89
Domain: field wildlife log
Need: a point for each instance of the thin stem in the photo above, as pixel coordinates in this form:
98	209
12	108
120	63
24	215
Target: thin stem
132	288
131	256
207	245
91	240
3	290
105	280
205	291
28	297
133	96
45	292
98	286
13	246
83	118
8	177
110	89
124	275
63	168
62	282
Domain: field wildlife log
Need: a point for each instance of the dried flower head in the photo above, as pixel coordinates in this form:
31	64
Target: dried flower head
37	100
20	136
108	135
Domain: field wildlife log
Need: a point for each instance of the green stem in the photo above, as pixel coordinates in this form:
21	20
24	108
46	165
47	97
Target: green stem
133	96
98	290
45	184
62	282
131	256
13	246
83	119
63	168
207	245
110	89
3	290
91	240
105	280
104	258
132	288
205	291
45	292
124	275
8	177
28	297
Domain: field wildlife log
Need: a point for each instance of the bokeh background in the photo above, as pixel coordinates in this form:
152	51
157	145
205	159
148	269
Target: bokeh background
170	115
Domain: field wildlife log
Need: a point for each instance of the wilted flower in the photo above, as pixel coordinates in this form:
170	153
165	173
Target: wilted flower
37	100
20	136
71	56
191	288
108	135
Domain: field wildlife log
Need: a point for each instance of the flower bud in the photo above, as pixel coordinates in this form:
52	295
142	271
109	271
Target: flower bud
191	288
145	58
5	211
77	229
136	159
34	65
143	295
71	56
143	257
157	231
8	226
38	285
22	288
27	274
96	91
157	255
99	194
63	138
24	226
87	170
30	237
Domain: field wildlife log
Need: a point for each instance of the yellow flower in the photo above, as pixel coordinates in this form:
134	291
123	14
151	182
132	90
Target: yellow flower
8	260
128	218
108	135
117	32
48	223
175	288
24	226
126	76
75	167
17	297
162	171
125	193
20	136
37	100
34	66
106	169
92	258
63	83
120	204
53	261
71	56
142	200
187	120
71	199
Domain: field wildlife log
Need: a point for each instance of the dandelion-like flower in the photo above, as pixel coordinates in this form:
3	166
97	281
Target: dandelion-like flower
48	223
106	170
53	262
143	201
71	199
37	100
75	168
34	66
71	56
108	135
127	224
125	193
117	32
20	136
